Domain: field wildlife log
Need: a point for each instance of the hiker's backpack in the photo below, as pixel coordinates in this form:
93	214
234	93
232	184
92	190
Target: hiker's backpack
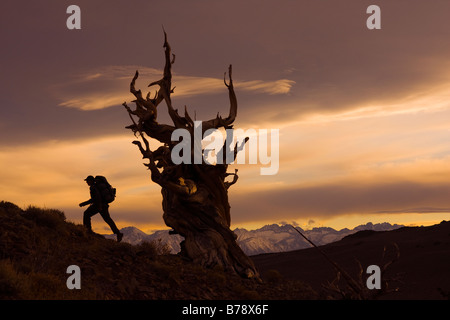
107	192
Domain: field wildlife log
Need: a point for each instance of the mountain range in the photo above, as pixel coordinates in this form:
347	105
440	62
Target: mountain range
268	239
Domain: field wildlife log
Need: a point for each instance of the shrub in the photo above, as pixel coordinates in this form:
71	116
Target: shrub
50	218
9	281
153	248
217	276
243	293
273	276
9	207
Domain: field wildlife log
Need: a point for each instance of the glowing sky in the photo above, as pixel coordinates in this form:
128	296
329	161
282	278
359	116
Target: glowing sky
363	115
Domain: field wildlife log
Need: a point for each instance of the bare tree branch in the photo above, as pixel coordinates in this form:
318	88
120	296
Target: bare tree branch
195	196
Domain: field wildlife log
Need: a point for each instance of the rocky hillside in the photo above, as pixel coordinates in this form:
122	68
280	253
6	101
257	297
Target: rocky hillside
37	246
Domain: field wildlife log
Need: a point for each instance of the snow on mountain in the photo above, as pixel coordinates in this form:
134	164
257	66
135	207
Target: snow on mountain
133	235
171	240
276	238
270	238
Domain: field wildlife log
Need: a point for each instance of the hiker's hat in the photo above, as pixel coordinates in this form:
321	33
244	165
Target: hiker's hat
89	178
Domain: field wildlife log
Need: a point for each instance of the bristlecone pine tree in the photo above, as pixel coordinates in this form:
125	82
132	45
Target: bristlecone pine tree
195	196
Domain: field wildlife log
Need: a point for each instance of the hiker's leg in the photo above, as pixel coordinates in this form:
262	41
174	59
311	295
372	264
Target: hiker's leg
90	211
108	220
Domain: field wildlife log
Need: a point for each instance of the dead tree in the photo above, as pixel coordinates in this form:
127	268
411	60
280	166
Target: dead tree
195	196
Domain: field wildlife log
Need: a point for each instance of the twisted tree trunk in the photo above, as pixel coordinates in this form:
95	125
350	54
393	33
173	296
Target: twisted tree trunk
195	196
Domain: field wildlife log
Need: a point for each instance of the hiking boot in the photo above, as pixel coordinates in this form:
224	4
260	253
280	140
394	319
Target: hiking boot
119	236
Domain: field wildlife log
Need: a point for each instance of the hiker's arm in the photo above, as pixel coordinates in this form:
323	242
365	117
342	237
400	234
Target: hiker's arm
86	203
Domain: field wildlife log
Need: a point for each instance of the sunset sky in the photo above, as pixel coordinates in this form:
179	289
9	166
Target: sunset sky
363	115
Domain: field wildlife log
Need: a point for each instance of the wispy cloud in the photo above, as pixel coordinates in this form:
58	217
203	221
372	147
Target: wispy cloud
426	101
94	101
282	86
108	86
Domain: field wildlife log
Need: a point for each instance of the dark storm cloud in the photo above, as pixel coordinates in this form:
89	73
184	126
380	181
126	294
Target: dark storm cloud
337	199
322	46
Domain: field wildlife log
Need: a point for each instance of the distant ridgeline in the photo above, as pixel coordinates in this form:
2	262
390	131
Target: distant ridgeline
268	239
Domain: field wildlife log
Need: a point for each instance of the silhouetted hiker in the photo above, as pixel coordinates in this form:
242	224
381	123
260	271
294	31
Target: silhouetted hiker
98	205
